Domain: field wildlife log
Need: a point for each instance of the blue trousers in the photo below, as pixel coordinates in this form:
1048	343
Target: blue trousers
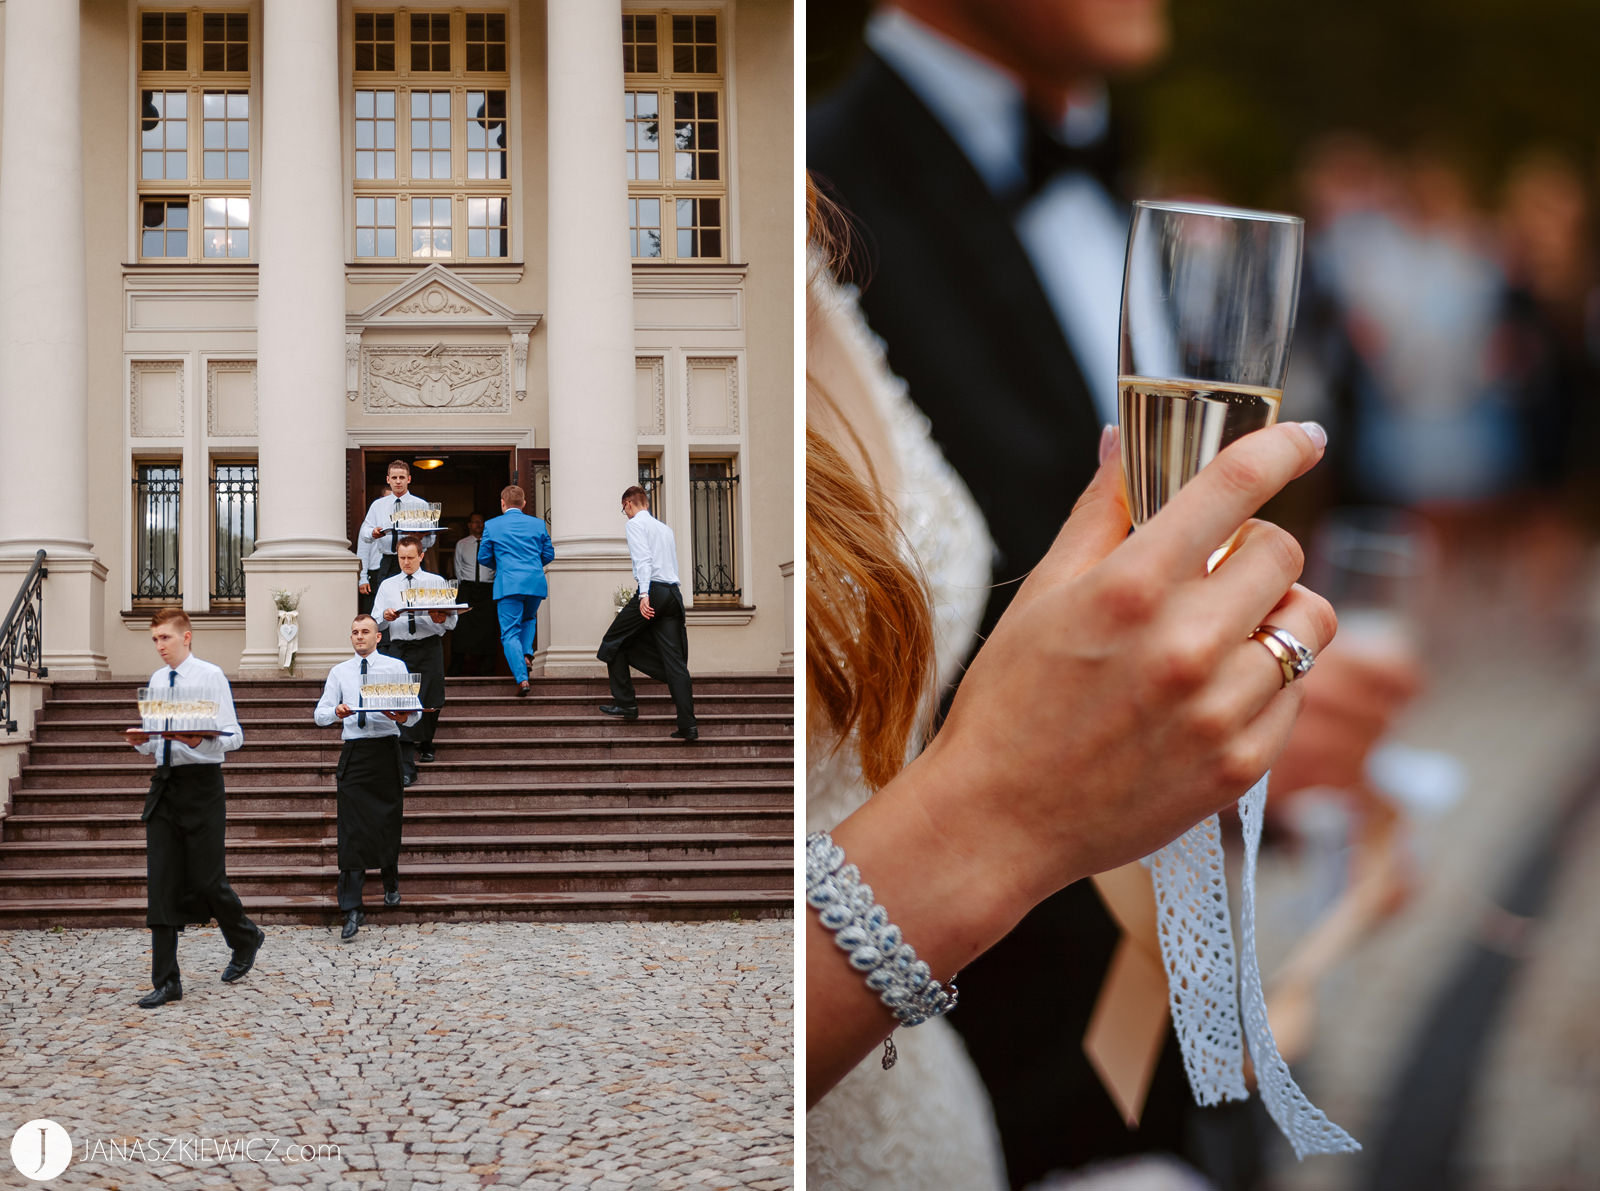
519	621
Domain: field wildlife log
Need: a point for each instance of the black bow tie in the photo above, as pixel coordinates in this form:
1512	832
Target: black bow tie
1048	156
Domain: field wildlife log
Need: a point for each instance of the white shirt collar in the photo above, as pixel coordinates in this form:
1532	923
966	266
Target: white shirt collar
977	101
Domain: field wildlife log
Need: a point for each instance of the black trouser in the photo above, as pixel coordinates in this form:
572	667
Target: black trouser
658	648
426	658
351	880
185	827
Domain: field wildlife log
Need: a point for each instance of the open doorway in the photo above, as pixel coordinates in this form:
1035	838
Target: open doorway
463	480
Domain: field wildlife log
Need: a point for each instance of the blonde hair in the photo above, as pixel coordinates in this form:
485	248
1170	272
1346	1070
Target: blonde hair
869	623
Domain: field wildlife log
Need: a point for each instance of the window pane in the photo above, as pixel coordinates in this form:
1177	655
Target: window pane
216	165
685	243
366	241
386	239
175	165
441	165
238	166
238	243
441	105
364	105
419	165
238	212
214	105
477	242
152	244
386	212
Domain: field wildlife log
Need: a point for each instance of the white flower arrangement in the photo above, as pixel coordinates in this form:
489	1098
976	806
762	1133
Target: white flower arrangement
622	595
285	600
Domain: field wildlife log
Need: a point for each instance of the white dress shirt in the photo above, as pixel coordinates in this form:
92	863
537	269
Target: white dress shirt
380	515
1074	233
196	673
401	627
344	686
467	568
653	550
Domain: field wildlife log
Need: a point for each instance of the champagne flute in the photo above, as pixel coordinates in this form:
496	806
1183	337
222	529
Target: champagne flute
1208	306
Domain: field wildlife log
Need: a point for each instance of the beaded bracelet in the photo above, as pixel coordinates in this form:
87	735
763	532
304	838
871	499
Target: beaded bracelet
862	929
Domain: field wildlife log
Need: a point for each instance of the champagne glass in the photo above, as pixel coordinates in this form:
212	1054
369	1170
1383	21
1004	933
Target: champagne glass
1208	305
1376	567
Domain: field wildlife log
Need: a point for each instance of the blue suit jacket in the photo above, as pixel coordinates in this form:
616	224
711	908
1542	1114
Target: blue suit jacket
517	546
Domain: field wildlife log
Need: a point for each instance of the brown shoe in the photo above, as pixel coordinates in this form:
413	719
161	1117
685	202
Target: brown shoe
524	689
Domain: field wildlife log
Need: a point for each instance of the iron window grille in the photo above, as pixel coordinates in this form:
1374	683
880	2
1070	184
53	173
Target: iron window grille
157	498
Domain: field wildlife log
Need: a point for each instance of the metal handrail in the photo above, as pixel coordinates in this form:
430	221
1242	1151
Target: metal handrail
22	636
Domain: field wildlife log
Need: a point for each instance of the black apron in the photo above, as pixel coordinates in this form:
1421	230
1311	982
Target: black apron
186	824
371	802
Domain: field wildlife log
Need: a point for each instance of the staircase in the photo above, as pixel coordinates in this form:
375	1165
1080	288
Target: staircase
536	809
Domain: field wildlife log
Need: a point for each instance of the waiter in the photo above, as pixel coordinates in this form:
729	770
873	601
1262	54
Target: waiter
477	633
379	539
650	633
185	821
416	637
371	795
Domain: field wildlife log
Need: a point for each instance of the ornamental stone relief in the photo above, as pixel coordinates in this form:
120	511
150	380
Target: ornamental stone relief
155	398
464	379
651	397
713	394
436	299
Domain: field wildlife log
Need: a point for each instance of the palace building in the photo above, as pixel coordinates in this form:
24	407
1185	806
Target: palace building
252	250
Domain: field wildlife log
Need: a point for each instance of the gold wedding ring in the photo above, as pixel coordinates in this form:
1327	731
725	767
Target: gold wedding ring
1293	658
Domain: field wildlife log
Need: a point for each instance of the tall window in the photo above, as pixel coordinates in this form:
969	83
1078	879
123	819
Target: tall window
194	135
674	111
432	136
713	498
233	523
157	497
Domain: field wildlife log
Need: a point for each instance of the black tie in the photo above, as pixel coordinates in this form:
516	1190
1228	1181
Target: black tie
361	716
1048	156
166	748
394	530
411	617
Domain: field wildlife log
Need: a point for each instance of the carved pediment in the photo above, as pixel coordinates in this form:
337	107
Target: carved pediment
436	296
466	378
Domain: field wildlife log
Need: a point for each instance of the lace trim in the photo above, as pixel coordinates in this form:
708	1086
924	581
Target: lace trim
1198	953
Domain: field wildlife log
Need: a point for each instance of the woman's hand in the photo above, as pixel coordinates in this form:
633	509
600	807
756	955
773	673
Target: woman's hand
1118	702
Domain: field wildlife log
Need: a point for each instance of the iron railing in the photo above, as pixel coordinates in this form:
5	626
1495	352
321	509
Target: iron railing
713	497
157	496
541	492
233	503
22	637
653	483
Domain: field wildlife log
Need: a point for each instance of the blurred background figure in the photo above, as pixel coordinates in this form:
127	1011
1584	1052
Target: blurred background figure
1432	908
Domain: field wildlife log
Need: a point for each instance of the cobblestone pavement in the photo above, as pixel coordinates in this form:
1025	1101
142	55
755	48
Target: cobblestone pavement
605	1056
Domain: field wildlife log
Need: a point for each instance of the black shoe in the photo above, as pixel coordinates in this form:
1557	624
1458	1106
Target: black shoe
243	959
689	734
617	709
391	897
425	753
408	780
524	689
352	923
172	990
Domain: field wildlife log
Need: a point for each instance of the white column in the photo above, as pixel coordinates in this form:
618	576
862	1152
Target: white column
300	348
593	436
44	395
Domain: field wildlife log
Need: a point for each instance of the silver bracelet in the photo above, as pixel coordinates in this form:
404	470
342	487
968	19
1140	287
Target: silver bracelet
862	929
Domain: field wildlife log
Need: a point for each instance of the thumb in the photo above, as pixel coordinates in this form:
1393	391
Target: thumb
1099	520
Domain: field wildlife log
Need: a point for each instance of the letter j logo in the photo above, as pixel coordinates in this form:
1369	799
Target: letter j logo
41	1149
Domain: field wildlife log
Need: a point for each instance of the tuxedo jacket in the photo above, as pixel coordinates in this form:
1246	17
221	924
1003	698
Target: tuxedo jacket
947	284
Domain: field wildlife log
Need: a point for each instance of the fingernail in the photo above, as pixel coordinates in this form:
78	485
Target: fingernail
1316	434
1108	442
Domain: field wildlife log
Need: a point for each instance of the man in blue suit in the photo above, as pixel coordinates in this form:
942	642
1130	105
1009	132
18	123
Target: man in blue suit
517	546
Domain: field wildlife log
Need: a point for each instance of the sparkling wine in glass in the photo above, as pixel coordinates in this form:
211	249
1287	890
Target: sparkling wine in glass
1208	305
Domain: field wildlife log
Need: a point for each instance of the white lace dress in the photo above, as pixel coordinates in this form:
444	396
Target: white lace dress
927	1122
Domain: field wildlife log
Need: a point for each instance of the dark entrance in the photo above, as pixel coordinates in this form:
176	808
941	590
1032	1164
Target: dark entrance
464	480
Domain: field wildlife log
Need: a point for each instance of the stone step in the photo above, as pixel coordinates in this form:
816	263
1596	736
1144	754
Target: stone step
250	881
318	821
321	747
120	708
318	850
433	794
320	909
685	767
455	726
577	688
